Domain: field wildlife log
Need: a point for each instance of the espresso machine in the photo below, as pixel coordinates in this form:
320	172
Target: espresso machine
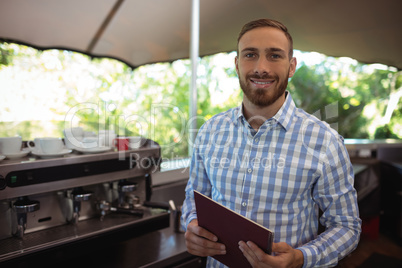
61	206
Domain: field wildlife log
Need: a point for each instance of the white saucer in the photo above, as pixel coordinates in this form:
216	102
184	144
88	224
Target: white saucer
94	150
43	155
20	154
2	157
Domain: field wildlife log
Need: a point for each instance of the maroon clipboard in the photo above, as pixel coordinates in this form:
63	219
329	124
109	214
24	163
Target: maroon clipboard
230	228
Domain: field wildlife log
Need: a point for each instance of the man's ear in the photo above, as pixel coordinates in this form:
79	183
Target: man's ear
292	67
237	65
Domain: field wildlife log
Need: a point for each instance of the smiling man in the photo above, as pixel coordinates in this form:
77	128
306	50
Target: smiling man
274	164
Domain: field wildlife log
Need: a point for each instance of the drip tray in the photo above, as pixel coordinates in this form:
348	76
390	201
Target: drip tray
153	219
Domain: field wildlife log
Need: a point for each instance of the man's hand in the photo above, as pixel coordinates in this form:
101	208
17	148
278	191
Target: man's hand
202	243
285	255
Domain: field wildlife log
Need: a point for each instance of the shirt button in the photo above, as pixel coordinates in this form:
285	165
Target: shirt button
249	170
244	204
257	140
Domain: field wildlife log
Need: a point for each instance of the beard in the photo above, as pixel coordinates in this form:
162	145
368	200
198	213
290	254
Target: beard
263	97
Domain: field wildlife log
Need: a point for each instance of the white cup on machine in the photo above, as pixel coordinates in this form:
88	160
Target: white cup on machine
93	142
73	137
34	145
10	145
135	142
47	145
108	137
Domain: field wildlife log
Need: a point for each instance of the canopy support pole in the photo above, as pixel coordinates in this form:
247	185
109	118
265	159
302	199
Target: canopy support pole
104	25
194	55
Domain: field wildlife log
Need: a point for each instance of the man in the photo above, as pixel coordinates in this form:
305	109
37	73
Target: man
274	164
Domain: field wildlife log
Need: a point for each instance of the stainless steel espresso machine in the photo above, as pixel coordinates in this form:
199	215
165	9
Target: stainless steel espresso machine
59	207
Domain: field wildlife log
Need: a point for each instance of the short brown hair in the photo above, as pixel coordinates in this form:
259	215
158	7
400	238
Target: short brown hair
266	23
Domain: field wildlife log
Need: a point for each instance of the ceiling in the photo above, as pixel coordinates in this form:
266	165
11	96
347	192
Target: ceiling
141	32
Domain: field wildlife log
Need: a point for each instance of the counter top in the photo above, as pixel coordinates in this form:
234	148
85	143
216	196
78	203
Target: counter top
156	249
160	248
356	144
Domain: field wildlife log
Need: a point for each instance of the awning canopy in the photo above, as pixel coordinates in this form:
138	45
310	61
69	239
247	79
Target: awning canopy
140	32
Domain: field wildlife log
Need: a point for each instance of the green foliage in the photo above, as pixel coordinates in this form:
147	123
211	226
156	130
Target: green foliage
384	132
6	55
350	89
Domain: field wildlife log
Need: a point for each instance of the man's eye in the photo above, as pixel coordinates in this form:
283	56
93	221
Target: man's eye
277	56
249	55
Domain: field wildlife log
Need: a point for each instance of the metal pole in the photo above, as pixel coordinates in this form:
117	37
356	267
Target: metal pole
194	55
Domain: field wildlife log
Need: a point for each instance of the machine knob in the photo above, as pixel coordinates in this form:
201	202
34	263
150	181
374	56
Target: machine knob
78	195
127	186
104	207
123	188
24	205
81	196
3	183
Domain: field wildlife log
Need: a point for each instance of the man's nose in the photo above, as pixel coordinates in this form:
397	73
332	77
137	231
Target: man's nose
262	66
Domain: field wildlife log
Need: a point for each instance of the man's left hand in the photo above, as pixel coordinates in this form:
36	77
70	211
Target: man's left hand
285	256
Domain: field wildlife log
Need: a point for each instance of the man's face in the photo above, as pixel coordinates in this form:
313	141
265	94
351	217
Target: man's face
263	65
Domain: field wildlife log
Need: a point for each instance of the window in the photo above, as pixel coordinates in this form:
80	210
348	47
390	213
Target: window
45	91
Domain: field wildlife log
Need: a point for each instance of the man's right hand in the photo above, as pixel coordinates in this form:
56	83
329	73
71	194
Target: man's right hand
201	242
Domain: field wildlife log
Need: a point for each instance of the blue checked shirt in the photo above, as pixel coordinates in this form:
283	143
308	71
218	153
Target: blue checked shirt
279	177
